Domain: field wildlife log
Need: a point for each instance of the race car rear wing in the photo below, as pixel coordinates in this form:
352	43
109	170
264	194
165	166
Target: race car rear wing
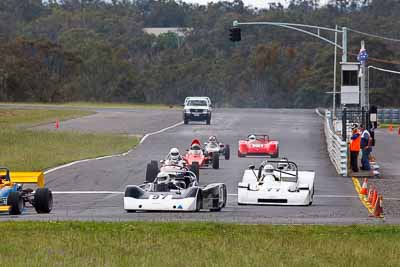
28	178
23	177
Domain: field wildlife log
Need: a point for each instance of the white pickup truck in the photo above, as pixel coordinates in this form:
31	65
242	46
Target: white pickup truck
197	109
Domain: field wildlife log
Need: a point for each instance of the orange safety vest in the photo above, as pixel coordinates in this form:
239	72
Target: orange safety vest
355	144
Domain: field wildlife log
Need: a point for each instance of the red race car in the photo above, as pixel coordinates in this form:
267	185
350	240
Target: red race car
196	156
258	145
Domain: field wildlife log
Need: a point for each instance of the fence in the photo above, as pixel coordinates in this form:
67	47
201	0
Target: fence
337	149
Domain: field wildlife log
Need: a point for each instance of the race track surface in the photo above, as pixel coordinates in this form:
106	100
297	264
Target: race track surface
300	133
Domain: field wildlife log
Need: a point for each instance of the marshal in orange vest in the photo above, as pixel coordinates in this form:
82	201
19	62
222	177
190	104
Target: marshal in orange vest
355	141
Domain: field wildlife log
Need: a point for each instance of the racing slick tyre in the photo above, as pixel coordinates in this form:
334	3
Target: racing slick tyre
215	160
311	197
196	170
16	203
227	152
199	200
276	154
224	194
185	121
151	171
240	155
43	200
208	120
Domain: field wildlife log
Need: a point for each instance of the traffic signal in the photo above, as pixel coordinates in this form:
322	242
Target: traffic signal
235	34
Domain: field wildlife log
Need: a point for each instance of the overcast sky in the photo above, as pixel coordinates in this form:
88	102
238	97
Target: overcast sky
254	3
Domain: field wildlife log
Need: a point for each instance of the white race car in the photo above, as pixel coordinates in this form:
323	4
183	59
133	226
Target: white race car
217	147
177	191
276	182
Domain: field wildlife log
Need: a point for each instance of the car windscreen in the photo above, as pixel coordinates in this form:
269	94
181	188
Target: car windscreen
197	103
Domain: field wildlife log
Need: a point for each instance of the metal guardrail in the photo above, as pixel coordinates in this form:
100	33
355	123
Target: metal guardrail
337	148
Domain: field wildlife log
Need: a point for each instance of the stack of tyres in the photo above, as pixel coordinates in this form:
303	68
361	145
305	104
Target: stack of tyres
387	115
395	116
380	116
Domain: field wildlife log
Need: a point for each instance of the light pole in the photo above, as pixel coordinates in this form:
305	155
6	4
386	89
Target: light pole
301	28
379	69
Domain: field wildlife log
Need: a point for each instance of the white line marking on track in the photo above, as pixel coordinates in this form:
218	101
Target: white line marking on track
86	192
160	131
231	195
111	156
319	113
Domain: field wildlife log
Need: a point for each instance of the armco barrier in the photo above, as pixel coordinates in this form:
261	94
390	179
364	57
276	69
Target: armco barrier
337	148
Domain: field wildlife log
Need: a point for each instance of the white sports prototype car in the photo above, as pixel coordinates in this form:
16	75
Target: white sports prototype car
177	191
276	183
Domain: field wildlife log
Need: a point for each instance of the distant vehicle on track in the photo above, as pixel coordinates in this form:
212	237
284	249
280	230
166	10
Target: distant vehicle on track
276	182
197	109
199	97
177	191
13	197
258	145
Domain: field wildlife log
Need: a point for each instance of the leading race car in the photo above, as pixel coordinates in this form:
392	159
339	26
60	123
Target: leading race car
258	145
13	197
196	156
177	191
213	146
276	182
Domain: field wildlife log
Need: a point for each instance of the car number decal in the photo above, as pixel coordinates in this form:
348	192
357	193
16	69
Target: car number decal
158	196
257	145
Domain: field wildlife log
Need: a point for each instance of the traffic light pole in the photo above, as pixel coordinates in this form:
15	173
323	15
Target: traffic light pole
302	28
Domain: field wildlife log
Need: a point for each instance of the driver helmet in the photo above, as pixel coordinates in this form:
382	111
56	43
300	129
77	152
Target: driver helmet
268	169
283	164
162	178
252	137
174	153
212	139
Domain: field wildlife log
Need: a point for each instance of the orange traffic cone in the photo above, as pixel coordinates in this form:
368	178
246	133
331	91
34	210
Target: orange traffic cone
364	188
370	195
57	124
374	199
390	128
378	210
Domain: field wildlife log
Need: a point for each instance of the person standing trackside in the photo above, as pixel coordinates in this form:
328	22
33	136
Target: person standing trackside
354	148
365	146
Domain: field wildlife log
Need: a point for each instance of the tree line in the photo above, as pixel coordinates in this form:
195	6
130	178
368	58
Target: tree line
94	50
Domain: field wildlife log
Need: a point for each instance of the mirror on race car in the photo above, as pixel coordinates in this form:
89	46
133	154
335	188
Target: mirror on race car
252	167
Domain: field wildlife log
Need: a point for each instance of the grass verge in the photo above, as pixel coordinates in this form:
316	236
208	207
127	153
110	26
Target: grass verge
27	117
26	150
99	105
196	244
386	125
